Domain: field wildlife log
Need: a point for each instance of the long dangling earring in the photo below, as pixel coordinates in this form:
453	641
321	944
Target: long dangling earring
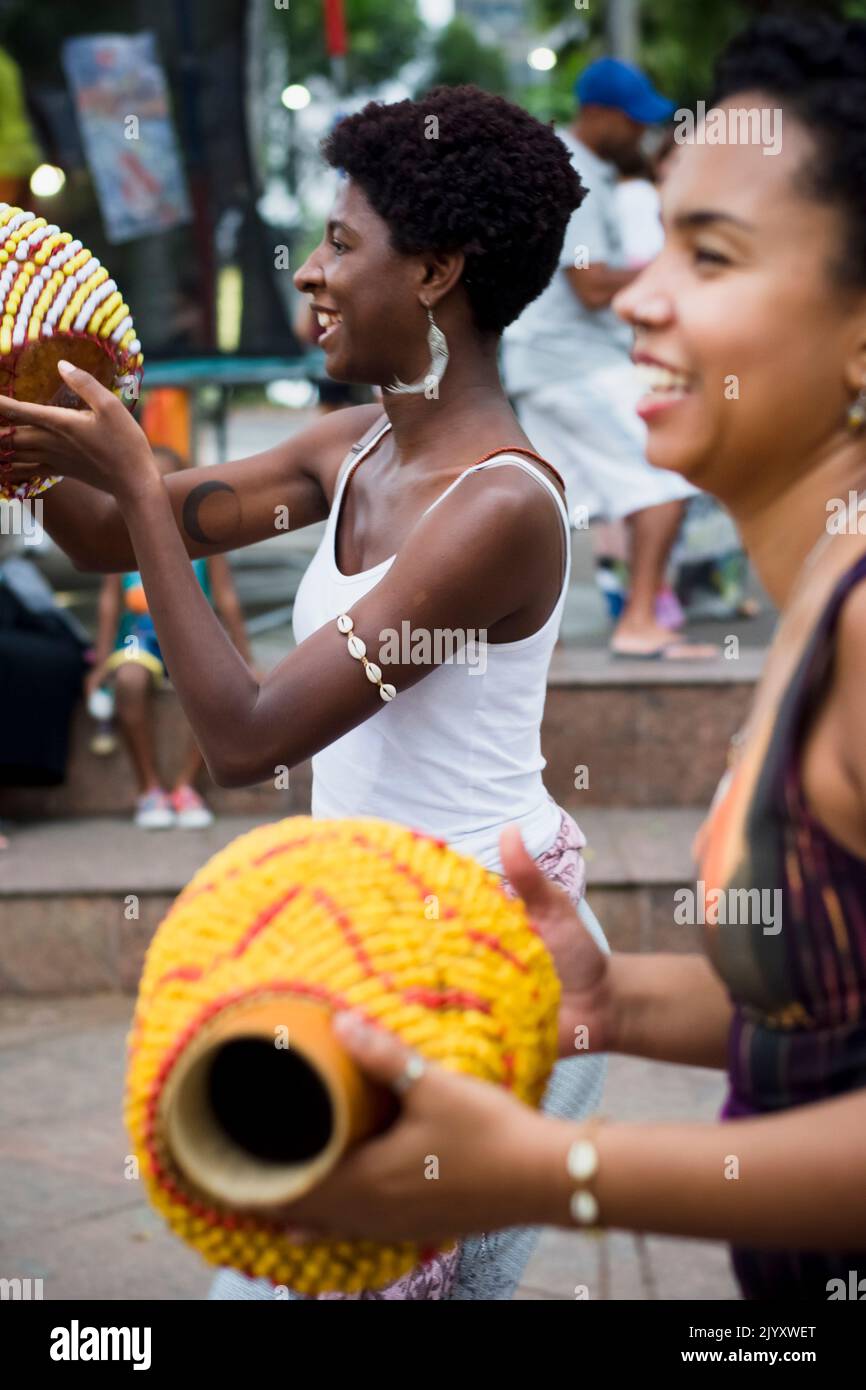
857	413
439	354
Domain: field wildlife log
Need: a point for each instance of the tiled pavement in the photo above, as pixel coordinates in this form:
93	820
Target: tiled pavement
71	1217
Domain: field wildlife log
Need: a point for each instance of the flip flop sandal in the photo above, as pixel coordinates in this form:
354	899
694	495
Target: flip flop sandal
666	653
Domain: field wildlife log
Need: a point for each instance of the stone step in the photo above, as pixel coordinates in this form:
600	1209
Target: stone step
647	734
642	733
81	898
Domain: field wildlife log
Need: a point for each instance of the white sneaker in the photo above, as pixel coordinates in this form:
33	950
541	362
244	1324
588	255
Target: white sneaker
154	811
191	811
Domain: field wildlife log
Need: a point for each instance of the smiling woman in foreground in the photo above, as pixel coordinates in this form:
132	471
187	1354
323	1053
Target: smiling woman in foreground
763	276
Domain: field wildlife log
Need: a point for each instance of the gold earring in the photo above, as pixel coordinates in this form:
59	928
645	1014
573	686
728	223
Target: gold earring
857	412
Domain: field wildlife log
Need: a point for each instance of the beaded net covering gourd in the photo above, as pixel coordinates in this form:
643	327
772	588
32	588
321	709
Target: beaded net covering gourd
354	913
57	301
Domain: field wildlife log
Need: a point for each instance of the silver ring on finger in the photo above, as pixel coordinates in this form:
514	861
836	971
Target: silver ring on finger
413	1071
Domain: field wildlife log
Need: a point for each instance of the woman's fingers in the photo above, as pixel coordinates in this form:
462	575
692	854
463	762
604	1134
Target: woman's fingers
57	418
524	875
380	1055
380	1189
516	859
27	441
85	385
13	412
21	473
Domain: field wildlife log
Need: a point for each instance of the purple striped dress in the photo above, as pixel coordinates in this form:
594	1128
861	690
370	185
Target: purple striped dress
797	978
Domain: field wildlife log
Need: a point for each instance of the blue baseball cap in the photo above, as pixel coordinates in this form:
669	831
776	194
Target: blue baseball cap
609	82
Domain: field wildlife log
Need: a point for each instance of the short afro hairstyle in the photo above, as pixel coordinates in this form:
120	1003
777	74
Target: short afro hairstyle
483	177
815	67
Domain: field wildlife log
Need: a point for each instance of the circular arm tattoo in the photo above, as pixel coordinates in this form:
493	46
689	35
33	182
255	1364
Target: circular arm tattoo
223	515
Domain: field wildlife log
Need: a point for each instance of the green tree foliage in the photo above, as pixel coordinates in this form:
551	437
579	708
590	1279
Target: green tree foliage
459	56
383	35
680	40
19	152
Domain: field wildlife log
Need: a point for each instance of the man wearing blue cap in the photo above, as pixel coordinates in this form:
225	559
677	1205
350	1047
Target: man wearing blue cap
568	368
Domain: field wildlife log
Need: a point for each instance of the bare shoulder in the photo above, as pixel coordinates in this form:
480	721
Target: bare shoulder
487	554
507	521
517	495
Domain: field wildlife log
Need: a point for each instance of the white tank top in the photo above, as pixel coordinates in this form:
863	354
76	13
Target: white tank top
458	755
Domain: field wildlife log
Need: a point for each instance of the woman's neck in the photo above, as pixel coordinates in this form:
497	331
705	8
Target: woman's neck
470	399
780	531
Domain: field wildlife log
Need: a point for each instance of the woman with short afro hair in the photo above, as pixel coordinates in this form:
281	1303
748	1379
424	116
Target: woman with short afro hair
463	170
426	620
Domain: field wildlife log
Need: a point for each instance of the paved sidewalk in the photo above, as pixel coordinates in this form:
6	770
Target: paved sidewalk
71	1217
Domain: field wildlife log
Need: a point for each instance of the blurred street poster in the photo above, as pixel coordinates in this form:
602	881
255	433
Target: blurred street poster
121	97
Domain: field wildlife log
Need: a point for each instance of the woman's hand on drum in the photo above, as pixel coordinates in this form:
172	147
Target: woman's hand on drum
463	1156
386	1190
586	1012
102	446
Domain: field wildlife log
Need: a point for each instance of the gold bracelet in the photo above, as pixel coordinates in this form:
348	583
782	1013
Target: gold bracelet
358	650
582	1164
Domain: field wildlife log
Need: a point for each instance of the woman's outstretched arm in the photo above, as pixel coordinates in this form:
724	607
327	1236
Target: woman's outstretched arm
468	564
215	509
670	1008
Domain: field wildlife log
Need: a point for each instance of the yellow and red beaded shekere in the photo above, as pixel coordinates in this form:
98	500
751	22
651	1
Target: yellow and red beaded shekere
359	914
57	301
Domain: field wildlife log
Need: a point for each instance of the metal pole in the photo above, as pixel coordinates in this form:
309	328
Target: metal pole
623	27
337	41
